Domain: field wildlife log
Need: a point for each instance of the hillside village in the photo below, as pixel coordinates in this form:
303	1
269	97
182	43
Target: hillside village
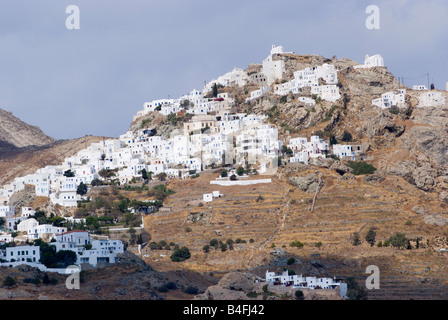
212	135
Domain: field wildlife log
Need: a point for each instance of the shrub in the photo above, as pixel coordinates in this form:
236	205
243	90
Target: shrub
9	282
347	136
394	110
297	244
240	171
355	239
370	237
206	248
171	286
180	255
318	244
399	241
291	261
361	167
214	243
299	295
252	294
191	290
233	177
188	229
354	290
224	173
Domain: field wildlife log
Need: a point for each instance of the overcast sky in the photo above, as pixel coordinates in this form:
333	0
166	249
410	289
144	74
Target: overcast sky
93	80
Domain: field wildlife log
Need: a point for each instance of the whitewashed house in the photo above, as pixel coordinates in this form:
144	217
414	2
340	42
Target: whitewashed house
23	253
419	87
350	152
390	99
7	211
273	69
431	99
26	225
373	61
258	93
299	281
40	230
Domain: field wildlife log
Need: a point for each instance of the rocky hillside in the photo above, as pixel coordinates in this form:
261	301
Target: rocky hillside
16	133
18	162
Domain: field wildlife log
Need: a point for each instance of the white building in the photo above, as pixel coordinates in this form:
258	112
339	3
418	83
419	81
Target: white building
7	211
27	224
419	87
299	281
23	253
273	69
431	99
390	99
40	230
347	151
258	93
373	61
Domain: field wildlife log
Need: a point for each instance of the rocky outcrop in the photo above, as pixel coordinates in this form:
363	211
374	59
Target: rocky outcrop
18	134
308	183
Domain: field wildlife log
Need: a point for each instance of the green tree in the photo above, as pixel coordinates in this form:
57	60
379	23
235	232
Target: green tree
82	189
69	173
206	248
355	239
370	236
399	241
347	136
180	255
9	282
333	140
144	174
224	173
215	90
291	261
354	290
233	177
240	171
299	295
361	167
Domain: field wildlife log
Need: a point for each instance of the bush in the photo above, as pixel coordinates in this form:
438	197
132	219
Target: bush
355	239
399	241
394	110
361	167
297	244
299	295
354	290
206	248
291	261
252	294
191	290
171	286
180	255
224	173
214	243
370	237
9	282
318	244
233	177
347	136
